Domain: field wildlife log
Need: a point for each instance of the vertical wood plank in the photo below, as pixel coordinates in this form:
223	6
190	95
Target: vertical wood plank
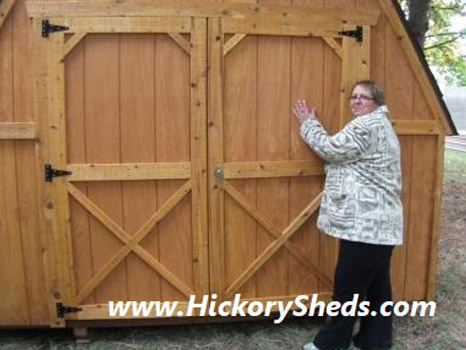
49	92
420	220
14	305
59	205
330	116
26	165
422	197
102	100
22	53
216	157
137	102
399	97
355	66
377	45
437	206
273	142
76	150
240	135
399	87
307	81
41	109
199	154
241	132
172	103
6	71
398	268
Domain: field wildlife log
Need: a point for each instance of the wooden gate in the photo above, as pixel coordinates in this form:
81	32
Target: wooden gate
122	105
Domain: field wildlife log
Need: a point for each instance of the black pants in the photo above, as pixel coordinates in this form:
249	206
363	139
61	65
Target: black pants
362	269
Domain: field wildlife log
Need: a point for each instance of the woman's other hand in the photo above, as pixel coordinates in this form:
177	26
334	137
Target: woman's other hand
302	111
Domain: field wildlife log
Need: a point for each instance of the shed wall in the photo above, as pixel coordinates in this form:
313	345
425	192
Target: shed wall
22	286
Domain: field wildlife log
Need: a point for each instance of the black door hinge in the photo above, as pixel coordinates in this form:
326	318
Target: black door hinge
48	28
62	309
357	33
50	173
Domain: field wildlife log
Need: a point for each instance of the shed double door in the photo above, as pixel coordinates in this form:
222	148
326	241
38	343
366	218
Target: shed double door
188	176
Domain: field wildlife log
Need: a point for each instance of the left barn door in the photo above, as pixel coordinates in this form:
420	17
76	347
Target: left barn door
121	104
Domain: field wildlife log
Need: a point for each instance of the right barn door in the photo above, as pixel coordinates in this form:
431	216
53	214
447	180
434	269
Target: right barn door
265	184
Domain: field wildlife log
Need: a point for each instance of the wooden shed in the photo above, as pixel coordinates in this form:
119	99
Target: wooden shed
148	150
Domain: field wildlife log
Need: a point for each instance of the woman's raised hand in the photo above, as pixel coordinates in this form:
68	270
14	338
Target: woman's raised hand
302	112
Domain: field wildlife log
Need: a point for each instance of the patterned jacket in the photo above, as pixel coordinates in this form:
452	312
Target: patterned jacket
361	200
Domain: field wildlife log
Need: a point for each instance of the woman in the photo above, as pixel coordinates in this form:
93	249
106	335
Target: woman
361	206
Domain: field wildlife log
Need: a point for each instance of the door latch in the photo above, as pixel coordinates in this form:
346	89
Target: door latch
219	172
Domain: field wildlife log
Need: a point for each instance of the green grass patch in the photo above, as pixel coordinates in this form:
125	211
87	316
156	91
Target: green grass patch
454	167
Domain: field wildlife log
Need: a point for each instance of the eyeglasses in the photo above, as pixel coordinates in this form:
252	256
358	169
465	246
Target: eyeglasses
361	97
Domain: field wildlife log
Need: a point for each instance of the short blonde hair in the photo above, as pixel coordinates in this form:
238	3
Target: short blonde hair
375	90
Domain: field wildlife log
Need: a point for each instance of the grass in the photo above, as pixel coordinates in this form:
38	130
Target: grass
445	331
454	167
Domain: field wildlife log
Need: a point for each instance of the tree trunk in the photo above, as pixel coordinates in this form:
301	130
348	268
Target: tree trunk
418	19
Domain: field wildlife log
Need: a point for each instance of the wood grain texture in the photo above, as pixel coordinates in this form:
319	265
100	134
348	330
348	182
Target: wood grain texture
26	162
269	169
5	8
124	24
129	171
437	206
10	131
307	76
103	145
139	8
420	221
199	101
216	158
181	41
14	309
399	95
140	100
273	247
273	142
411	58
173	131
240	132
76	153
73	42
137	100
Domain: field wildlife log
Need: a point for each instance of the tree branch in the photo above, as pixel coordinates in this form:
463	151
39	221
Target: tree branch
460	33
452	8
441	44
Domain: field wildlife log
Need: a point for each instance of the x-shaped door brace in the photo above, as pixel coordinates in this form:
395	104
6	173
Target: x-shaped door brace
281	240
131	242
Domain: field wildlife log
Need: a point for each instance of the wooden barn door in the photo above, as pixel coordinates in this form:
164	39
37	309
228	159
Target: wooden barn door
125	113
264	183
163	198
